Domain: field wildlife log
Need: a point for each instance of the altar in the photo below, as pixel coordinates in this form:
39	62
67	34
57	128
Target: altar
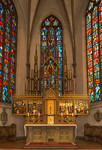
50	133
50	118
50	105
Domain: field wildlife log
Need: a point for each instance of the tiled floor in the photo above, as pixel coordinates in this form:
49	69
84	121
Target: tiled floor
19	144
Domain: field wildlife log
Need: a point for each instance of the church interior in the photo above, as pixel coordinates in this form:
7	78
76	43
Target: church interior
50	74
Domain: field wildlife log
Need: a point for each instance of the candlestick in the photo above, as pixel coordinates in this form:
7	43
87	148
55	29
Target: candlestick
61	114
72	114
61	117
38	114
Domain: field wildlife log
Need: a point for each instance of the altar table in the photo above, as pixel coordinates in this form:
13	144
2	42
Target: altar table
50	132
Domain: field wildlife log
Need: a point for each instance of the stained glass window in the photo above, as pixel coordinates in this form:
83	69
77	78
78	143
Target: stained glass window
8	32
94	48
51	54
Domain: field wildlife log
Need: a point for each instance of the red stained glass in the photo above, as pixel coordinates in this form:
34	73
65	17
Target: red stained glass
100	20
90	51
89	31
96	60
90	70
7	45
93	49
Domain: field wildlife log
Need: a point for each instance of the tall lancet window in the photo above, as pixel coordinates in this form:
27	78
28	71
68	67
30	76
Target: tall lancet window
94	49
51	54
8	32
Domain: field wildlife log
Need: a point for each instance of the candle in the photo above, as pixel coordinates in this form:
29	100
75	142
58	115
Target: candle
34	112
62	114
28	114
39	114
67	112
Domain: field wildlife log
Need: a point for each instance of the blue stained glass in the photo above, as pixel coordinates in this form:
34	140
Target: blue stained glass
47	22
5	94
51	37
88	18
4	1
55	23
8	14
7	27
13	39
44	31
44	38
11	8
14	20
97	92
59	46
91	97
58	32
1	11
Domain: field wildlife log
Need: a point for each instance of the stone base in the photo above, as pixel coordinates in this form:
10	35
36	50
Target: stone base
50	134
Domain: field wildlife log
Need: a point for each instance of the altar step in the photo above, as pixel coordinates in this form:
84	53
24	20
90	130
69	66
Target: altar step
50	145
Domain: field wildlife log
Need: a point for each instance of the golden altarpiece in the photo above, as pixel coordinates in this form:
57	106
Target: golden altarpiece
50	99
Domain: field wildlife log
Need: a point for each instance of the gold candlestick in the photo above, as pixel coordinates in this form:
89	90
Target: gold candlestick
61	117
38	116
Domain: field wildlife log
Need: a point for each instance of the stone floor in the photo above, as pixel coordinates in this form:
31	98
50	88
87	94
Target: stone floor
19	144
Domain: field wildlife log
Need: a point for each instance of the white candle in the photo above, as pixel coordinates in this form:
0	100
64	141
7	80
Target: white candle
62	114
39	114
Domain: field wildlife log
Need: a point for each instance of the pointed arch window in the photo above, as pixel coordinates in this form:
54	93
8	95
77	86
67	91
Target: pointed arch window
51	54
8	42
94	49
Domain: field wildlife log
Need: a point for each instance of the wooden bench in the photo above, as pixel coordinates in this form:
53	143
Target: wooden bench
8	133
93	133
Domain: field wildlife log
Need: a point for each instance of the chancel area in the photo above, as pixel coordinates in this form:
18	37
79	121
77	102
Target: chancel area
50	72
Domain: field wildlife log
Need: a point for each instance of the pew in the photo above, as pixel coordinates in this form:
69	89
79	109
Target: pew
8	133
93	133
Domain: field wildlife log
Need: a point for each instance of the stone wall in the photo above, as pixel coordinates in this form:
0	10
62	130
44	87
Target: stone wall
18	120
82	120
